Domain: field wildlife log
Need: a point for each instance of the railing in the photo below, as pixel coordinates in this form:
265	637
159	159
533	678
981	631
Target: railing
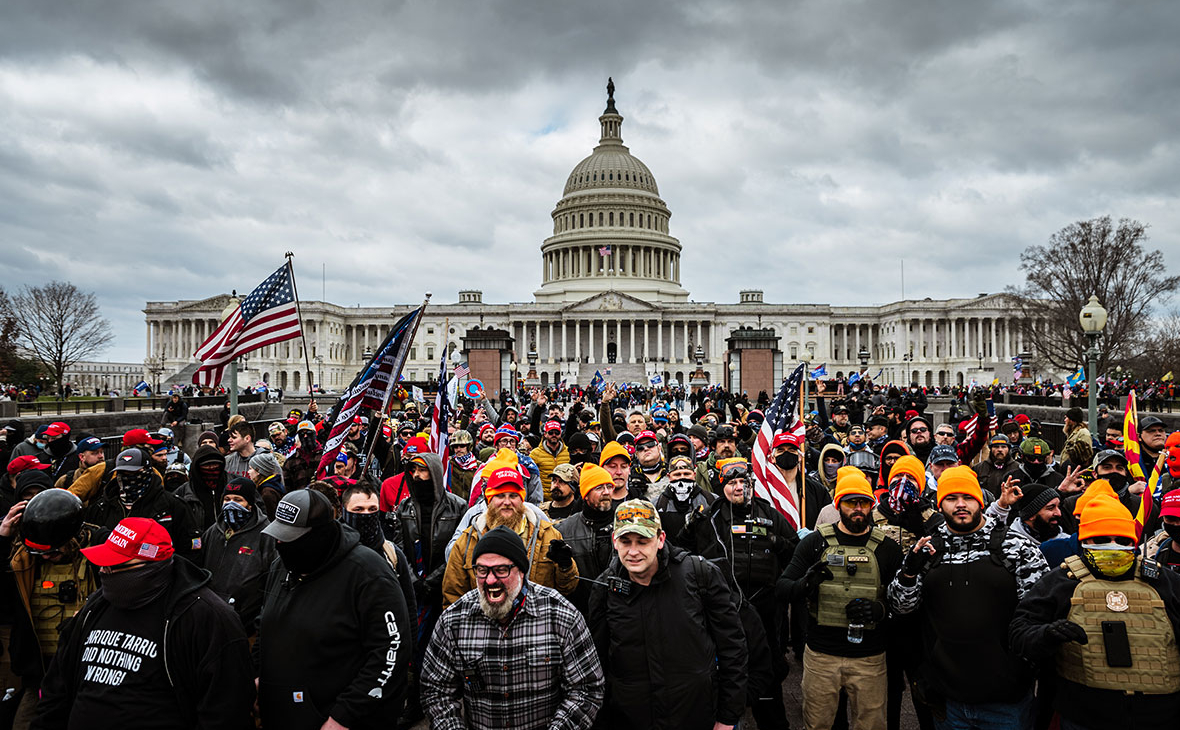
99	405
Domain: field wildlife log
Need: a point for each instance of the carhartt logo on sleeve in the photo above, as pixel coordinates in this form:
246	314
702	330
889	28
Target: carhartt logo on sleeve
286	512
296	696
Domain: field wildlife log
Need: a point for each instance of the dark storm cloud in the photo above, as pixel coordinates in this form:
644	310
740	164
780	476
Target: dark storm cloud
176	150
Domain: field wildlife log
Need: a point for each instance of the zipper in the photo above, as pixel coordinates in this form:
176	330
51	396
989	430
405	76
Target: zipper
167	670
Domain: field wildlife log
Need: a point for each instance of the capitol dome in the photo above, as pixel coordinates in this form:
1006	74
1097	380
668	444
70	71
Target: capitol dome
610	228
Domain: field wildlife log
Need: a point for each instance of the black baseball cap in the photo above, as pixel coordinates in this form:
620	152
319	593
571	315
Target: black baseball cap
297	513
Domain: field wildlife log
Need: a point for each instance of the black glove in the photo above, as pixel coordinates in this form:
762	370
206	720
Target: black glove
421	591
915	562
1063	630
694	517
863	611
815	575
561	553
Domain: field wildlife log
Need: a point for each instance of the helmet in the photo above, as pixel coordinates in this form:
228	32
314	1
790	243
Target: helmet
51	519
461	437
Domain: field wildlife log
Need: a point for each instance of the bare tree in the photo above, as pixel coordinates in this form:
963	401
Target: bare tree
60	325
1084	258
1162	351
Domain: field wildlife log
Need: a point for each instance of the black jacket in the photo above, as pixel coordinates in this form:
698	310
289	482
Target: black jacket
448	511
205	652
240	564
674	651
170	511
756	553
592	549
340	637
177	411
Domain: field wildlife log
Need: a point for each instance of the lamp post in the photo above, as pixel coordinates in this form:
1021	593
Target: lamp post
805	356
319	360
1093	319
532	380
230	307
863	356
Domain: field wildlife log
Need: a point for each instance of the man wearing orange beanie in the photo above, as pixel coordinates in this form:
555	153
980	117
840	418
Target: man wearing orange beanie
841	570
1107	621
588	532
964	581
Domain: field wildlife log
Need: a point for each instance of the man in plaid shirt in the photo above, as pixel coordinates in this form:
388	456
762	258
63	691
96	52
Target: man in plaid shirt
510	653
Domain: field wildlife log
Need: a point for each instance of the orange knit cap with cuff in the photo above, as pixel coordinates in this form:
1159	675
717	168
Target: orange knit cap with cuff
912	466
1098	486
611	450
593	476
852	483
1105	516
957	480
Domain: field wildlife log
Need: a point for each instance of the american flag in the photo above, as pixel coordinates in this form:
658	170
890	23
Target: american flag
783	414
604	250
462	371
267	316
369	387
439	436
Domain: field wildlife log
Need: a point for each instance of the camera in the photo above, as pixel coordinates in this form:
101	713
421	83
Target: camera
67	592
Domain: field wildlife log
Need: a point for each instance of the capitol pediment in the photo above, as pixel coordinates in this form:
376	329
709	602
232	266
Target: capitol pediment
989	302
212	304
610	301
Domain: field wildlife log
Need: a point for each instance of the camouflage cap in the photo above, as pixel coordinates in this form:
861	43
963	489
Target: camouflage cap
638	516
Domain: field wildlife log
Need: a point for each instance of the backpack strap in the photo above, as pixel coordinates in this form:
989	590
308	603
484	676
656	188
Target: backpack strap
390	553
939	545
828	532
995	546
876	537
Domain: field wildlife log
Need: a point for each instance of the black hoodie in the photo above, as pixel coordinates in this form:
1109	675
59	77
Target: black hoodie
334	643
206	658
204	500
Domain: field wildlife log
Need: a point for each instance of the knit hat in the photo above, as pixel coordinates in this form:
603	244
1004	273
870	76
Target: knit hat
1098	486
505	431
852	483
1076	415
504	480
264	463
957	480
999	439
912	466
593	476
505	543
1105	516
210	435
242	487
611	450
1034	499
580	442
699	431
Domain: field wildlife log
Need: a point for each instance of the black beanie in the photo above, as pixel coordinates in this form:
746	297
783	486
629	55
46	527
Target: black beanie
505	543
1036	496
580	442
244	488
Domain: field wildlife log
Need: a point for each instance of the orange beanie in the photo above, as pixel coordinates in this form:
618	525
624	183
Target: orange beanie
957	480
852	482
1098	486
1105	516
593	476
611	450
912	466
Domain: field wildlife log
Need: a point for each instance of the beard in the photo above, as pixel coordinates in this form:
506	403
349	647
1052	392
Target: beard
1044	530
972	523
497	611
854	522
497	518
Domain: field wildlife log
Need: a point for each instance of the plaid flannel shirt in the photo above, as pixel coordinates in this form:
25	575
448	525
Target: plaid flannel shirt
541	670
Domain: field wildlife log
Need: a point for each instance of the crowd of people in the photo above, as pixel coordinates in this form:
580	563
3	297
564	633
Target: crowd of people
583	559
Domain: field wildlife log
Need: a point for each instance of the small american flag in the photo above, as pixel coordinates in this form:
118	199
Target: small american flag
783	414
604	251
267	316
462	371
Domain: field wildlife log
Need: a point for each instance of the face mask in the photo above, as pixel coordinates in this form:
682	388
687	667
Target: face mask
132	486
305	555
1117	481
681	489
40	445
903	493
137	587
368	525
1035	470
830	470
234	516
787	460
1173	531
59	448
1109	560
1173	462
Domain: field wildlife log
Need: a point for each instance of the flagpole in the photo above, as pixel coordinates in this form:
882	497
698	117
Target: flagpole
393	378
302	336
803	451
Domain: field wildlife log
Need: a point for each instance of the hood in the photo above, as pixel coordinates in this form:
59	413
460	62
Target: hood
206	455
18	432
897	446
829	484
434	465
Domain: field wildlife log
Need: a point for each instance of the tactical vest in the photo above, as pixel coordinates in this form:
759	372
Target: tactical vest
1155	667
49	610
855	574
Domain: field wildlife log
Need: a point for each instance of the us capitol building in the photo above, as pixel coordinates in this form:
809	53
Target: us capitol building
610	298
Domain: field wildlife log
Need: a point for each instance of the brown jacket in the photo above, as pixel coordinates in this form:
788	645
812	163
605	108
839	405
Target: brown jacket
460	574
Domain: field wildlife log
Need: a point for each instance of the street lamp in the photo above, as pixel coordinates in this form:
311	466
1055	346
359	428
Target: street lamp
319	359
805	357
230	307
1093	320
863	355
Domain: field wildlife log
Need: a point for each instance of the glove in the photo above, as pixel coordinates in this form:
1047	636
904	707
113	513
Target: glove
421	591
561	553
694	517
1063	630
979	402
915	562
815	575
863	611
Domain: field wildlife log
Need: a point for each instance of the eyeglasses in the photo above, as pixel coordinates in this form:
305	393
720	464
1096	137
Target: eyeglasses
919	430
646	446
945	434
500	571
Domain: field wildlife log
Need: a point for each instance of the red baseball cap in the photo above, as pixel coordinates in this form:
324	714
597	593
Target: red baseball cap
503	480
787	438
646	435
140	437
57	428
552	426
1171	504
21	463
134	537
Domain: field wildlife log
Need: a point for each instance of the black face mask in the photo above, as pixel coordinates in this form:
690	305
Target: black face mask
234	516
1173	532
368	525
787	460
133	485
1035	470
137	587
1117	481
59	448
310	552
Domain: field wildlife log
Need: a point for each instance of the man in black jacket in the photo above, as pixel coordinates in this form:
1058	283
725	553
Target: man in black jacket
176	417
154	642
333	643
588	533
666	609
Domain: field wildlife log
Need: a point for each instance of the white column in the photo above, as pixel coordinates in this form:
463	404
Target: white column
551	355
978	337
646	339
700	342
578	340
660	340
992	329
605	325
631	333
564	354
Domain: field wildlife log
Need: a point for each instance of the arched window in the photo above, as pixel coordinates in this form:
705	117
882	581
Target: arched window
649	220
611	176
611	218
632	220
600	217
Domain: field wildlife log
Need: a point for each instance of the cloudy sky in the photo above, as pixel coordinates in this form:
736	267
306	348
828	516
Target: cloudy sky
176	149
